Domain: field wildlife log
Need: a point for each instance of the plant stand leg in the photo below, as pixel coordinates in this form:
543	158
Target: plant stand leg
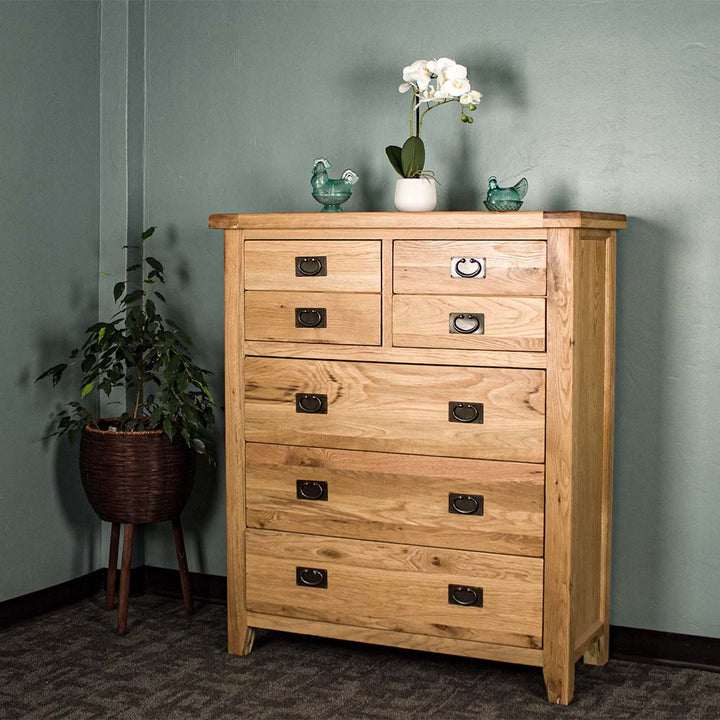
182	565
125	579
112	567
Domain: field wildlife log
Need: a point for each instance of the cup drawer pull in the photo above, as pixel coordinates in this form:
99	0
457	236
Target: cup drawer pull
467	323
460	504
311	266
465	595
311	403
311	577
310	317
467	267
311	490
465	412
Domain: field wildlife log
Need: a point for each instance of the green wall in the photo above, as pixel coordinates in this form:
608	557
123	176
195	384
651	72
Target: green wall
607	106
49	192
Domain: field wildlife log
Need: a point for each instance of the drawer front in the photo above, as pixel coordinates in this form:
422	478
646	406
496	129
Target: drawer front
397	408
316	265
341	318
491	267
446	502
396	587
469	323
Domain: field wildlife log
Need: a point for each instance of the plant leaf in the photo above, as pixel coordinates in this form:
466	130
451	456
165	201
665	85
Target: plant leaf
413	156
86	389
393	154
148	232
118	290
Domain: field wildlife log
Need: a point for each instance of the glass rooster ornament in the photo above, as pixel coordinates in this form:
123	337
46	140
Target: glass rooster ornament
505	199
331	193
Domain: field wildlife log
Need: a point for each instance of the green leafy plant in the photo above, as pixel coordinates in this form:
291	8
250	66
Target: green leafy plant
139	351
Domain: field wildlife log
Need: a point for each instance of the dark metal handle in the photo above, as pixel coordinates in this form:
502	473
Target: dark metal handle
310	266
464	412
311	403
461	261
465	595
465	504
311	577
311	490
310	317
467	323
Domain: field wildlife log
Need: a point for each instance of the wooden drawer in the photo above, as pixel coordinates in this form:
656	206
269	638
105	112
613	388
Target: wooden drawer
343	318
504	267
397	408
396	498
436	321
347	265
397	587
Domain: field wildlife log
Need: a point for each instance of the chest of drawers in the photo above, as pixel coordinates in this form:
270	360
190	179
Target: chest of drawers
419	417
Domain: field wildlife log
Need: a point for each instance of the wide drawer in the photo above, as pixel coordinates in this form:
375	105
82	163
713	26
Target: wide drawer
396	587
469	323
323	265
469	267
448	502
318	317
397	408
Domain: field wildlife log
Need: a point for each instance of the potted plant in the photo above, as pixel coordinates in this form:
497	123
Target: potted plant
138	467
433	83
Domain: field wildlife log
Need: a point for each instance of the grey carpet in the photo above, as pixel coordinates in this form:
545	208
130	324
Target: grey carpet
69	665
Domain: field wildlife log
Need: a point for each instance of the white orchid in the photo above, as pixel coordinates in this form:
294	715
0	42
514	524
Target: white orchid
433	83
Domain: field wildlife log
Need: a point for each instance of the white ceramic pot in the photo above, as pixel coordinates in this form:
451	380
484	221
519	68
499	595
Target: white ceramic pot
415	194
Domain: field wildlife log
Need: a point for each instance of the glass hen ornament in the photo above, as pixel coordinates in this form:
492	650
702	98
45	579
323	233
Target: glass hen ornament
505	199
328	192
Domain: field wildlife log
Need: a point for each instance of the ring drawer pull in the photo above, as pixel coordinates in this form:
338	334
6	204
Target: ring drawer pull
465	412
311	403
311	490
467	323
471	267
311	266
310	317
460	504
465	595
311	577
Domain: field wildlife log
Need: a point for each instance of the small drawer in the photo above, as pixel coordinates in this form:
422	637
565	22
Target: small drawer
449	502
487	413
469	267
339	318
469	323
315	265
408	588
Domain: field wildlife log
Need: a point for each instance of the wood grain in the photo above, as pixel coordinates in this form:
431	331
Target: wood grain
515	267
352	266
351	318
397	498
373	406
509	323
396	587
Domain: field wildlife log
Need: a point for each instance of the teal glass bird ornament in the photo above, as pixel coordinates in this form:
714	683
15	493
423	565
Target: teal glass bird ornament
505	199
328	192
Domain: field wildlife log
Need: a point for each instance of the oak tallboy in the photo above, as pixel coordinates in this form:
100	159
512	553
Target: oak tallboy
419	419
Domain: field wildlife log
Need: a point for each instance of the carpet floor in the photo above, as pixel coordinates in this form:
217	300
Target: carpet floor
70	665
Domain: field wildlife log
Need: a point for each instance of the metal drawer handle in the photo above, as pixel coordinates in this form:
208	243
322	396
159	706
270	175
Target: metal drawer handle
467	263
467	323
465	504
465	595
311	577
310	317
311	490
311	403
465	412
310	266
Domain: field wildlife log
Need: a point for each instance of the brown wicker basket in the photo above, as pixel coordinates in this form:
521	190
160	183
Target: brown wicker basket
135	477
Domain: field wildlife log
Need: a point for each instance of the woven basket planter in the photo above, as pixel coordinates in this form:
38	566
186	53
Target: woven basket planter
135	477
